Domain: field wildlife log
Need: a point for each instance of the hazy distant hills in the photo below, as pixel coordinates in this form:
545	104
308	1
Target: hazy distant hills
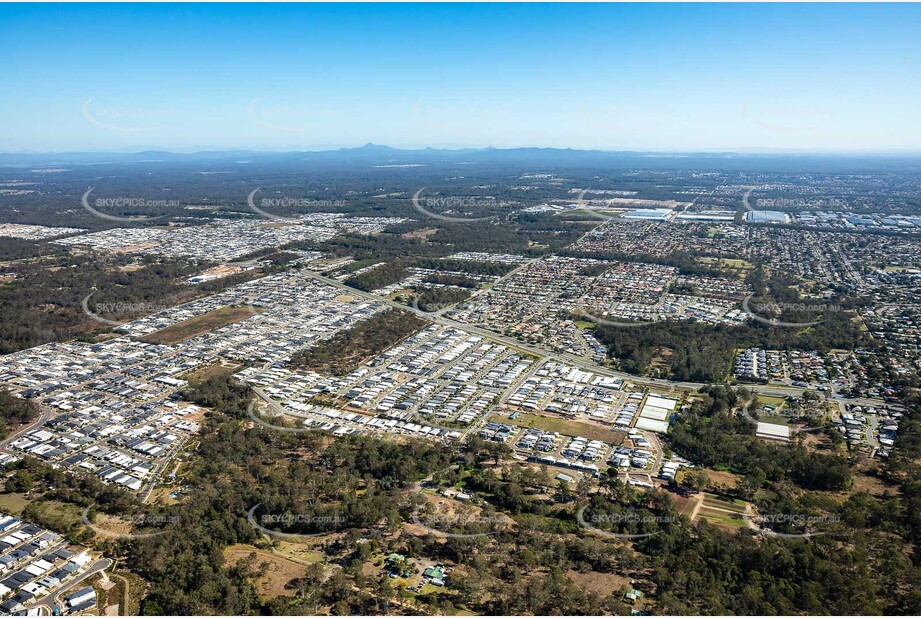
386	156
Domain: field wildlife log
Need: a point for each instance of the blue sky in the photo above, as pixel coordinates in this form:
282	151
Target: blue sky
628	76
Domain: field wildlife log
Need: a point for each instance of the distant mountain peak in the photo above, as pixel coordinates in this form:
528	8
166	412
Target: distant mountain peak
371	146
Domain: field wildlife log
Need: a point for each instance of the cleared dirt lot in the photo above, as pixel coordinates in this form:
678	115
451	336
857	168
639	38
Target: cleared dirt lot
279	573
599	583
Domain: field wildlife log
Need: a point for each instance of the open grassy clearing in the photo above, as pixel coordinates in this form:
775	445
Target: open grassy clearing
726	500
13	503
563	426
300	552
729	262
200	374
599	583
58	515
278	574
719	504
721	518
200	324
771	400
776	419
722	478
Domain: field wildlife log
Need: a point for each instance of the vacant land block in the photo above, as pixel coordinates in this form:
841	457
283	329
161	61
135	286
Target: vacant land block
201	324
564	426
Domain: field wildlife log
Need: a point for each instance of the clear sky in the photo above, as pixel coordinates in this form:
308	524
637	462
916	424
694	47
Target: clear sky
651	77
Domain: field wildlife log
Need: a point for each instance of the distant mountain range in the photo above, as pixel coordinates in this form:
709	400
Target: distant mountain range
384	156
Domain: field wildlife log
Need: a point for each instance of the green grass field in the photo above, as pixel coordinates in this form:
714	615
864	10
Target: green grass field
562	425
726	521
13	503
201	324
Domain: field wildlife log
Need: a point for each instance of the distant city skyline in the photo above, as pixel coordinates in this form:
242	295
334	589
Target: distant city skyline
647	77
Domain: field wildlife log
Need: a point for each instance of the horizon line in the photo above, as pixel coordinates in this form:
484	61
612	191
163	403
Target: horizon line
135	150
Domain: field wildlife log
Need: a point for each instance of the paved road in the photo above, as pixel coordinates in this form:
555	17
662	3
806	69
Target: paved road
160	465
657	450
488	286
46	415
541	353
745	197
51	601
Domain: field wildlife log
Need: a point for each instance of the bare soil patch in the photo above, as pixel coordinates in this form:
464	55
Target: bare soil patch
602	584
279	572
